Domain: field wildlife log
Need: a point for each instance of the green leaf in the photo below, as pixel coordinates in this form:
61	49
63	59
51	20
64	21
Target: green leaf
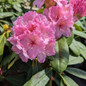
75	60
81	34
5	22
39	79
82	48
16	80
70	39
12	63
57	79
61	83
76	72
6	14
8	58
77	27
68	81
17	8
61	59
2	43
1	30
75	48
40	10
80	24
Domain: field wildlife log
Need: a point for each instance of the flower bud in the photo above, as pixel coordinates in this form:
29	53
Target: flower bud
5	27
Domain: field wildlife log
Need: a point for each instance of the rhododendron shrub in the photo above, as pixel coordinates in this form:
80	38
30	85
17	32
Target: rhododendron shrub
33	36
43	43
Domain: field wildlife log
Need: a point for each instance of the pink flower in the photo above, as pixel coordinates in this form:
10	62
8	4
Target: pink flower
62	18
39	3
79	8
33	37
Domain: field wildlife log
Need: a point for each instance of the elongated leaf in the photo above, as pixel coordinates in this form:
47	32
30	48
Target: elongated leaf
57	79
6	14
75	60
81	34
76	72
82	48
70	39
8	58
61	83
39	79
75	48
77	27
1	30
61	59
2	43
80	24
12	63
68	81
17	8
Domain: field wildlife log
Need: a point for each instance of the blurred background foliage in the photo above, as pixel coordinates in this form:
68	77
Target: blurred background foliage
17	73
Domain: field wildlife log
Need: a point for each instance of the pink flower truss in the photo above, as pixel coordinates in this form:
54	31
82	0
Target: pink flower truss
33	37
79	7
62	18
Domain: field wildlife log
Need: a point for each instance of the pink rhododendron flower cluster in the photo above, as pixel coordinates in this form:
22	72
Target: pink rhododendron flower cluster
62	18
79	8
33	37
34	34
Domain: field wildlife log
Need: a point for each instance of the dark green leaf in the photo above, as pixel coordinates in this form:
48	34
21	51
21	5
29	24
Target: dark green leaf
8	58
6	14
81	34
65	82
75	48
17	8
2	43
70	39
61	83
68	81
61	59
80	24
39	79
76	72
75	60
82	49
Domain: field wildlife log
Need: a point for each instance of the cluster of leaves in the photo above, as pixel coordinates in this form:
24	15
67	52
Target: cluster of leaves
54	72
10	10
